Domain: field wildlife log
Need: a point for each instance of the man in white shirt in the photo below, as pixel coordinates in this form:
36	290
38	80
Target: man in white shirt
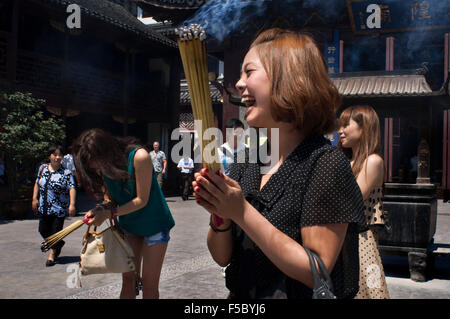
159	163
233	150
186	167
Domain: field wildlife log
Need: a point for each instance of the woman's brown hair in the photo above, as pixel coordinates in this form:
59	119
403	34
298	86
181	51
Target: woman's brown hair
108	152
370	141
302	92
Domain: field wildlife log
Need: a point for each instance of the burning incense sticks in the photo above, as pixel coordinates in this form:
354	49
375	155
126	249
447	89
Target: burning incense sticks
192	46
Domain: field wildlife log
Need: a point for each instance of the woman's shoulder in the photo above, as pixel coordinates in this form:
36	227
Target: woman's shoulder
374	160
332	158
141	156
374	166
141	153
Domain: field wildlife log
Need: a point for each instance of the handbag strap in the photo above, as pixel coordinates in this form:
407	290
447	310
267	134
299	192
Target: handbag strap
313	257
42	170
115	228
112	221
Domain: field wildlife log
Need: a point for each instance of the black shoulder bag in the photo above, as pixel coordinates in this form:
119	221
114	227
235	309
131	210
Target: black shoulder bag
323	286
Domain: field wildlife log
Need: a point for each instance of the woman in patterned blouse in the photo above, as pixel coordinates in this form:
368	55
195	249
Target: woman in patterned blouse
308	199
359	139
54	196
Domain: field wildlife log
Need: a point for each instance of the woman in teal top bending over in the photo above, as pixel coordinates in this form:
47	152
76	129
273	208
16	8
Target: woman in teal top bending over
123	171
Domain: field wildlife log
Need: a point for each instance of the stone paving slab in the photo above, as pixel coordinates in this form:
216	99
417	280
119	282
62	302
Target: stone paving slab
188	271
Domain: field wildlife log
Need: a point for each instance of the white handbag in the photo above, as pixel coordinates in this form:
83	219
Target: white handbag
106	252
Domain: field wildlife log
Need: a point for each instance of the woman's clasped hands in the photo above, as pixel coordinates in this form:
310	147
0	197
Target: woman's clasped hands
219	194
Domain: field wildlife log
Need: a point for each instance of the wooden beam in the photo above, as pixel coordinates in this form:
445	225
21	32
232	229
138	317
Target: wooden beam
446	55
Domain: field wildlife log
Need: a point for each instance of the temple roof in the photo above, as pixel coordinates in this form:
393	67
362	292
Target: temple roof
385	85
175	5
117	15
382	84
405	83
175	11
185	98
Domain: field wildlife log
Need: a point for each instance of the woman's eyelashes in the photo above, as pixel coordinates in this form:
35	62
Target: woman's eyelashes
247	71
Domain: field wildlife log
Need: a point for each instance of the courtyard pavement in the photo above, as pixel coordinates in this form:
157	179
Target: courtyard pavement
188	271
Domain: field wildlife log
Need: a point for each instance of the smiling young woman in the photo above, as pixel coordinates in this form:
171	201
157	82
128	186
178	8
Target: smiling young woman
311	200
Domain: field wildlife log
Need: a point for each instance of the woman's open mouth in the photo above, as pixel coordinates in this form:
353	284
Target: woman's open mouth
248	101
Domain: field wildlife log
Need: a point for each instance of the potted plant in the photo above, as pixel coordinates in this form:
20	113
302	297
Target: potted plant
26	133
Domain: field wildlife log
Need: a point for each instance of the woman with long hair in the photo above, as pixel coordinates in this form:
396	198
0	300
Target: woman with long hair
359	139
122	170
308	198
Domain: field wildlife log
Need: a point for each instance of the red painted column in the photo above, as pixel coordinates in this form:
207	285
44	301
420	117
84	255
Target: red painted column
446	118
446	39
446	55
388	148
341	56
389	54
446	152
389	122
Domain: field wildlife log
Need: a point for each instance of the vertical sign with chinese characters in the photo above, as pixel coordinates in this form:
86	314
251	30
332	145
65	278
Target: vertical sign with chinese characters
331	54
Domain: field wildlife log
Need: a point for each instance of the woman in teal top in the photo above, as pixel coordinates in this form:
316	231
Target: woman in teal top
123	171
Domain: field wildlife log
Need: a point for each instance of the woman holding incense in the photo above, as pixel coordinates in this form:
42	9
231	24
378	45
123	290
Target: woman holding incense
54	196
122	170
308	199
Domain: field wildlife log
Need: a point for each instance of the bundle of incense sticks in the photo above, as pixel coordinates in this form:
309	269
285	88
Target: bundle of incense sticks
192	46
51	241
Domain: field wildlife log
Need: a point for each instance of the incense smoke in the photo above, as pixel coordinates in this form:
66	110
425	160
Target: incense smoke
219	18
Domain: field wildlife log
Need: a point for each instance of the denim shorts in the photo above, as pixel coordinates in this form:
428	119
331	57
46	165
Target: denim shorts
161	237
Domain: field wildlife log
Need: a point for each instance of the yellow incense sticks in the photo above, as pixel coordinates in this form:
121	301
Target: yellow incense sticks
191	43
53	239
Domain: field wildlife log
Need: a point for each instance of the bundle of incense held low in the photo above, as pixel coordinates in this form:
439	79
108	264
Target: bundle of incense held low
192	46
52	240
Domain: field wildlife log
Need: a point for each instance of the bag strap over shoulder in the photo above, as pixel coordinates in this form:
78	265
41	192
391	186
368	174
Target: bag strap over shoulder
41	170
